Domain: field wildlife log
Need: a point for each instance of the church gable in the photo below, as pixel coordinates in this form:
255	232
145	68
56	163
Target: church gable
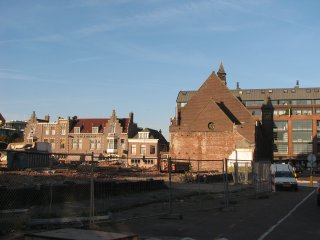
211	118
214	90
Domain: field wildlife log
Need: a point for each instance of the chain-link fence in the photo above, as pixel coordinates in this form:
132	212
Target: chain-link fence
43	191
262	177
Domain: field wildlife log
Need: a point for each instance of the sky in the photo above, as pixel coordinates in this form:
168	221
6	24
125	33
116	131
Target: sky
87	57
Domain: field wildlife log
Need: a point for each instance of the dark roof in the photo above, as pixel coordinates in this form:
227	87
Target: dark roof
185	96
86	124
278	93
260	94
42	120
153	134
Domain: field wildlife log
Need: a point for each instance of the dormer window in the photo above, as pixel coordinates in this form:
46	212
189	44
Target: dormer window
95	130
77	130
143	135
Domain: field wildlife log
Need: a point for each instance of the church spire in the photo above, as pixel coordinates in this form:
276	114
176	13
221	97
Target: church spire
222	74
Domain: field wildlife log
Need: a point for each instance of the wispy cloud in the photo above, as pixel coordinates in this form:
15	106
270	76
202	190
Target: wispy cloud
86	59
44	39
177	12
12	75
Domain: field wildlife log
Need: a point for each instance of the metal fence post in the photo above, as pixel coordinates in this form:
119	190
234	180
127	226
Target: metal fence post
226	193
170	186
91	193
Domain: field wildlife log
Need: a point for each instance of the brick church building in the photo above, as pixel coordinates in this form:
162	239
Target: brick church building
212	124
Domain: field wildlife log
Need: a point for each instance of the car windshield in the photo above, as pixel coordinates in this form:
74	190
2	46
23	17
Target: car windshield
284	174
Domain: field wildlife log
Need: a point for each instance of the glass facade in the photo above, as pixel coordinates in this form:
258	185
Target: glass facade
301	137
280	136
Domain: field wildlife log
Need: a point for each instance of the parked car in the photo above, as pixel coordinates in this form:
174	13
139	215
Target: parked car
283	177
318	193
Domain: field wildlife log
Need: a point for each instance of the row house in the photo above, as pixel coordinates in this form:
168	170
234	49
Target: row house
107	137
146	147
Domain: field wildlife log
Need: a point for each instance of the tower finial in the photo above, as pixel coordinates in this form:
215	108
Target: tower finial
222	74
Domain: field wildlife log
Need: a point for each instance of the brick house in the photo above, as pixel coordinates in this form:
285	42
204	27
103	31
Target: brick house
102	136
145	148
211	124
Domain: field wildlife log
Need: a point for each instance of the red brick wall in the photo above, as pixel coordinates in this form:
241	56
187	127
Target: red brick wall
203	146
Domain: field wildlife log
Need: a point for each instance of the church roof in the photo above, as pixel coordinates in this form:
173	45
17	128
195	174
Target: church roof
215	101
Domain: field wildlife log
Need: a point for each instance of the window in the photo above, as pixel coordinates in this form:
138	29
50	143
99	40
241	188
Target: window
148	161
46	140
63	130
52	143
296	112
143	150
76	144
152	149
307	112
53	130
254	103
302	136
317	101
95	129
46	130
123	144
92	144
280	136
62	143
135	161
95	143
133	149
98	141
143	135
301	102
112	143
76	129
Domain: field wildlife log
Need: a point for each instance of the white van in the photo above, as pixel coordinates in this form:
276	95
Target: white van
282	176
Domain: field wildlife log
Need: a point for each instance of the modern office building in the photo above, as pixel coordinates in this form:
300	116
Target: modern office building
296	117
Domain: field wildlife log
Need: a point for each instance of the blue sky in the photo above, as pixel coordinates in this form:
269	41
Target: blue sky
88	57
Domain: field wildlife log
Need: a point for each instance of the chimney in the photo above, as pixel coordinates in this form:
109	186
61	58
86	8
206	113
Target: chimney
131	116
47	118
